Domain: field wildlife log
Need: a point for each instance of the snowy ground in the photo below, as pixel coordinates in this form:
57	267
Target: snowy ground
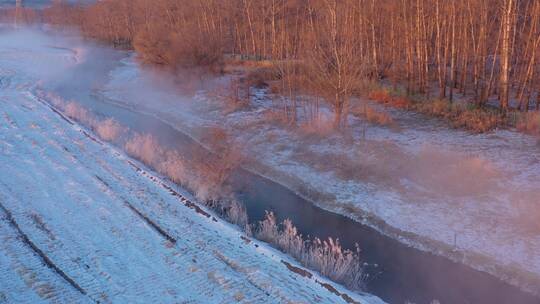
471	197
80	223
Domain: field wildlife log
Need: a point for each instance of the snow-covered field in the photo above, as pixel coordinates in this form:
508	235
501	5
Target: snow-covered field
80	222
472	197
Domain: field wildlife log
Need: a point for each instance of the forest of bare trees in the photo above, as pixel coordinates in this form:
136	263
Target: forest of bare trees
485	52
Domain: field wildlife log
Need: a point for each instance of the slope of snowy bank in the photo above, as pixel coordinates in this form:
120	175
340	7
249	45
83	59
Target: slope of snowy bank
471	197
82	223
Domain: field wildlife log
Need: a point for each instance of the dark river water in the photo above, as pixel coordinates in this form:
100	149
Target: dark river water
402	272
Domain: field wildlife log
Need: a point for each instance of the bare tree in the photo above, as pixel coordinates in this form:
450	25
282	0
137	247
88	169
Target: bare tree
333	58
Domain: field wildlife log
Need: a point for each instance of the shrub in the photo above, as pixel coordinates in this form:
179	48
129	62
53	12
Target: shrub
380	95
401	102
174	166
152	46
186	49
478	120
372	115
191	50
385	96
461	115
437	107
260	77
237	96
146	148
108	129
79	113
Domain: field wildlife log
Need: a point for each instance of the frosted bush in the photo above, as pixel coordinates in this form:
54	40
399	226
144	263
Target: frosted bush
79	113
146	148
108	129
173	166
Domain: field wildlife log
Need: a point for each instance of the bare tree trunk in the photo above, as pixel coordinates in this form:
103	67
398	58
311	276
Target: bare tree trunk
505	54
453	54
438	39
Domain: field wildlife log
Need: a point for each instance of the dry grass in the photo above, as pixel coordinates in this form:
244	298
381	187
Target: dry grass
236	97
377	117
478	120
327	257
372	115
529	123
380	95
460	115
275	116
260	77
317	128
384	96
437	107
233	65
204	173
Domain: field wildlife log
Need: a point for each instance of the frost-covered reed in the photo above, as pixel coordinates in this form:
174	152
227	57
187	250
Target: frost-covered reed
327	257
